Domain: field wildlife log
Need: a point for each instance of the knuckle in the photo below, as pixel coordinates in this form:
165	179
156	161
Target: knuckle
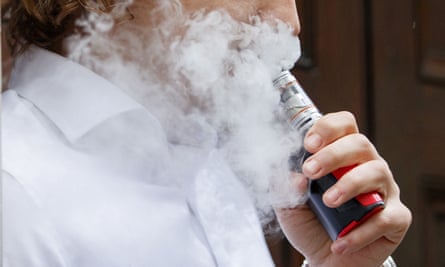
408	217
349	120
343	121
382	170
325	125
364	142
347	115
403	219
396	190
398	215
385	222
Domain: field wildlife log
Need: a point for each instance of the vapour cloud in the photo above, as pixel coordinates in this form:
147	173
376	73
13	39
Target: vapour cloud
208	79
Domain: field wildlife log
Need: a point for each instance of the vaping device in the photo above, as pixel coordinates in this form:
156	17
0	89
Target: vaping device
302	114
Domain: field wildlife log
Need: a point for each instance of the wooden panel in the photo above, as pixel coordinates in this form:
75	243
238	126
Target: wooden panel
434	220
430	108
396	97
408	53
432	40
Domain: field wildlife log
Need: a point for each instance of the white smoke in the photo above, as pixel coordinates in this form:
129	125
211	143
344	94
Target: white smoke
205	72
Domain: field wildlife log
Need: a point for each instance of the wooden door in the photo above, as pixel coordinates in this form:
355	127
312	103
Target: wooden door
385	62
409	100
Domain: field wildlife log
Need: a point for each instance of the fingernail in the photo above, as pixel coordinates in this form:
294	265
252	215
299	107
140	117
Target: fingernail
311	167
339	246
313	141
332	195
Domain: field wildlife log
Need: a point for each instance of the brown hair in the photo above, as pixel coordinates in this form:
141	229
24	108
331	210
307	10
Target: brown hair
46	22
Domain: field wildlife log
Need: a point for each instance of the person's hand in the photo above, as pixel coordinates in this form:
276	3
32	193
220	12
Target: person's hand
335	142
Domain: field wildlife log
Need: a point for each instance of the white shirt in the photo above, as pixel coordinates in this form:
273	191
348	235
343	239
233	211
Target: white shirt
71	199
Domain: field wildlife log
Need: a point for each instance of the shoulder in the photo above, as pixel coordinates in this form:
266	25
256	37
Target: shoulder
26	231
9	100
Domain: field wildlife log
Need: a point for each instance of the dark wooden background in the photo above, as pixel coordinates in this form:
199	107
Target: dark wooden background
385	61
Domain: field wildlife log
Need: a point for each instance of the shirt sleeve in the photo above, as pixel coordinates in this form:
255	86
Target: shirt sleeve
28	237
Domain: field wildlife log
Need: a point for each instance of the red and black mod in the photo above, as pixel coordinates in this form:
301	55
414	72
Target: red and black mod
302	114
343	219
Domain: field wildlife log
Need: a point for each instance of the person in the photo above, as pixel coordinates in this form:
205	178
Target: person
90	175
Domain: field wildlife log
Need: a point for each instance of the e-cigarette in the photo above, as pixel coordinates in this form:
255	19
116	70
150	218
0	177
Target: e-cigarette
302	114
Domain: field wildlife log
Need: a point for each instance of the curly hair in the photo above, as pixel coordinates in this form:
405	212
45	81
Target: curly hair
46	22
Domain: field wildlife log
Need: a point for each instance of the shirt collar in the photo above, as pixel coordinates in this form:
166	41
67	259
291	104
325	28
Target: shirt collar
73	97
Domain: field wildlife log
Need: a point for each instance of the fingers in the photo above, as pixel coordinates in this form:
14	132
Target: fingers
386	228
372	176
335	142
346	151
342	146
328	129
